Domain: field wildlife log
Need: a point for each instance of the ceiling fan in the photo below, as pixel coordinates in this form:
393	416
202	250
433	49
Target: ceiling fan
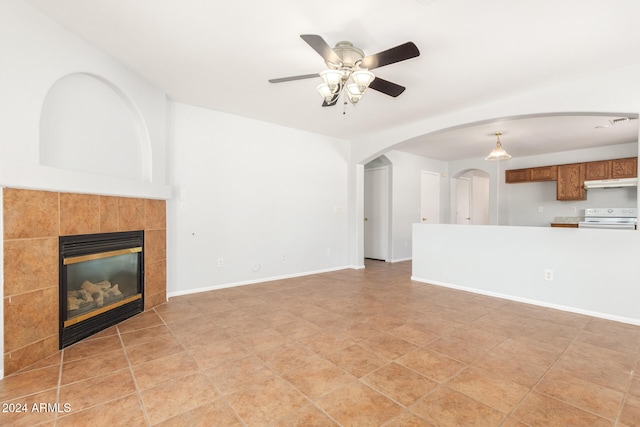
349	71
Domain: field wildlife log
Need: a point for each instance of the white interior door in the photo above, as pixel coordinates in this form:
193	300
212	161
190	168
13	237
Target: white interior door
376	214
430	198
480	200
463	201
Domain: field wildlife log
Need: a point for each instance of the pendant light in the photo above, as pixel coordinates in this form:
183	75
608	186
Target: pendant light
498	152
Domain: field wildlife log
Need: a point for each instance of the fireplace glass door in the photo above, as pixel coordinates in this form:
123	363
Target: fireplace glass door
97	282
101	282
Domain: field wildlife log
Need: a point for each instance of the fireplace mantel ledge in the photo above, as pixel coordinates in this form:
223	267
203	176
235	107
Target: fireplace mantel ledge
37	177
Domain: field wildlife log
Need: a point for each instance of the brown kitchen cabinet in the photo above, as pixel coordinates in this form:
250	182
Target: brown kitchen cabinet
624	168
612	169
544	173
570	178
597	170
514	176
570	184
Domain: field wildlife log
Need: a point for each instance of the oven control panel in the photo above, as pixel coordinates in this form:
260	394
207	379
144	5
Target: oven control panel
611	212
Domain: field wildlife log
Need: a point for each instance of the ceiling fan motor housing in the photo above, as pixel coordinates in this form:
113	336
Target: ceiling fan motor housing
349	54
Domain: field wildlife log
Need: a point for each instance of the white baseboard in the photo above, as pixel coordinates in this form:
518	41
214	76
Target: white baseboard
252	282
607	316
401	260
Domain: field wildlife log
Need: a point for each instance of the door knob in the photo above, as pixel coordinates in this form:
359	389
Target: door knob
366	219
424	219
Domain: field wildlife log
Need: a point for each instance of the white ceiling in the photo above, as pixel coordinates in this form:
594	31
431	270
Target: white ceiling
219	54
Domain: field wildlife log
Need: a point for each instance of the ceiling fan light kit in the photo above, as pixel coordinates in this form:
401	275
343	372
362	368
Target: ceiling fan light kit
349	70
333	78
362	79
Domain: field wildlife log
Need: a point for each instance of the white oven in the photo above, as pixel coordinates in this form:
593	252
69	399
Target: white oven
611	218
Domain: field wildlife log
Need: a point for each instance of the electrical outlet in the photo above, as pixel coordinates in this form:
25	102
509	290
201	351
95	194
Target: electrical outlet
329	252
573	209
548	275
540	209
220	262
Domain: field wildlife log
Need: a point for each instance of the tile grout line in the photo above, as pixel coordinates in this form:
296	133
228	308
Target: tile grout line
200	371
55	417
133	377
626	394
279	375
532	389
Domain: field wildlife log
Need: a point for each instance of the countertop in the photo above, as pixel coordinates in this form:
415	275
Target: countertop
566	221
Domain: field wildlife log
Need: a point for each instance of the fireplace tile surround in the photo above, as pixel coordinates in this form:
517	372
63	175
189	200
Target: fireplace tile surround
33	220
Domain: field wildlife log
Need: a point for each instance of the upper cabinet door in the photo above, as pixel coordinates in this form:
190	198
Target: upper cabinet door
570	185
624	168
598	170
544	173
517	175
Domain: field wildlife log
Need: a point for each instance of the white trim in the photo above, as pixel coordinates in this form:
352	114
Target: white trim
401	260
252	282
621	319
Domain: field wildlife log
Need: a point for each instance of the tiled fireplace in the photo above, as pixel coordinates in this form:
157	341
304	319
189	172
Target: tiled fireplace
33	223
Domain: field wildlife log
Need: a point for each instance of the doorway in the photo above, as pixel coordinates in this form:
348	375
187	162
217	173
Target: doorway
470	196
376	213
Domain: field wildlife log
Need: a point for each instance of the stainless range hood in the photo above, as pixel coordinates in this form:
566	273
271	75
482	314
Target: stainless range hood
611	183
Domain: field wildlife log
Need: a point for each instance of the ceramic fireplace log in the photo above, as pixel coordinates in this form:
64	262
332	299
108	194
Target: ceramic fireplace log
94	291
73	303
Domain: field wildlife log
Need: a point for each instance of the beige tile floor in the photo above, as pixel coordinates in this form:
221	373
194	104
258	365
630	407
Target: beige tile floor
367	347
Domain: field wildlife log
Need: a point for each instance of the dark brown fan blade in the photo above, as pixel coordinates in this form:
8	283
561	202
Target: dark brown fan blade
386	87
319	45
390	56
288	79
333	102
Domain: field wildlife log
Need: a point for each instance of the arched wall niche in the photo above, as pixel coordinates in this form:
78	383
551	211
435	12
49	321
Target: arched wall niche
89	125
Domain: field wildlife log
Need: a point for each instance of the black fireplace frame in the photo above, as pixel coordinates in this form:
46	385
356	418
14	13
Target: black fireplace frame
88	244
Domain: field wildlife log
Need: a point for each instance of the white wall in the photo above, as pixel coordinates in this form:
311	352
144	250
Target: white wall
524	199
595	271
270	201
36	53
406	193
